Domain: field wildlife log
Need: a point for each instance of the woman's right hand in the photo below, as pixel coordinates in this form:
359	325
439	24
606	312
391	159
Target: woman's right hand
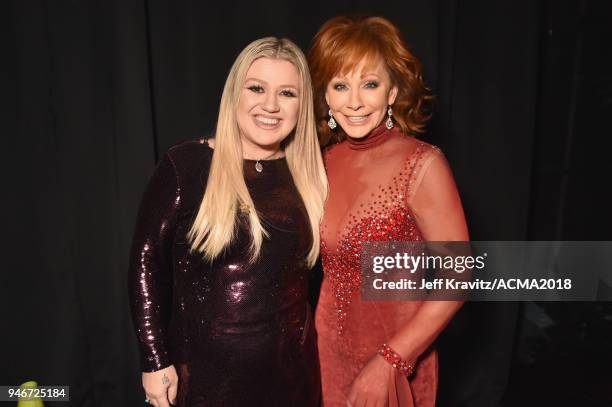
160	387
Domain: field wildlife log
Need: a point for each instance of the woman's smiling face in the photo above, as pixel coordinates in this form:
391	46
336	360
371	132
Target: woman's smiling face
269	105
359	100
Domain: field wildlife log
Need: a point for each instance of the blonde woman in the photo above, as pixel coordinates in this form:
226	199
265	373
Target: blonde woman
227	231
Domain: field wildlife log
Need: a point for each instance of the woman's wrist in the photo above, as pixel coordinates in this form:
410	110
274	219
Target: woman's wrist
395	360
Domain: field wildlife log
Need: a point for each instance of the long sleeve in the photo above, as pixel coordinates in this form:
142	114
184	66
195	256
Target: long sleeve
436	205
150	270
435	201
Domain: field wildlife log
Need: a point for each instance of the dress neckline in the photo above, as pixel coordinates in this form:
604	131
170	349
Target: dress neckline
376	137
277	159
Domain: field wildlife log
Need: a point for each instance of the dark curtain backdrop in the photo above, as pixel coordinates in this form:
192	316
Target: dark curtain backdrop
95	91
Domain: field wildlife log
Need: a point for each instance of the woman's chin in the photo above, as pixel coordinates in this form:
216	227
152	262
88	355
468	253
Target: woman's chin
356	135
357	131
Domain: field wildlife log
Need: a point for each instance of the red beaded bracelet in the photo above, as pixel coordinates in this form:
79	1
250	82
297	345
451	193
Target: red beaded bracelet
396	360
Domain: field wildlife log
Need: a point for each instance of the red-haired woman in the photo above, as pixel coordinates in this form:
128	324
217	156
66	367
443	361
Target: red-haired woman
385	185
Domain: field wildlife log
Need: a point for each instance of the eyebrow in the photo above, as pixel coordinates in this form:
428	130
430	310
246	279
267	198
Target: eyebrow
368	74
360	77
264	82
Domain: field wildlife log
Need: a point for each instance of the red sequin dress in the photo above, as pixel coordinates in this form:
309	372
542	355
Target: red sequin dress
374	182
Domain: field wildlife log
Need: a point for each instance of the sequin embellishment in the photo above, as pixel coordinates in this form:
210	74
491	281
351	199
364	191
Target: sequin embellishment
386	217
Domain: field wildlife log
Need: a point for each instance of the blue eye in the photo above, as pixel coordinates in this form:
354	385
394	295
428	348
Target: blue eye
256	89
371	85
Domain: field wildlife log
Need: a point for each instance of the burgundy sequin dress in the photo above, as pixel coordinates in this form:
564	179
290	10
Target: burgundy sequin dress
374	183
237	334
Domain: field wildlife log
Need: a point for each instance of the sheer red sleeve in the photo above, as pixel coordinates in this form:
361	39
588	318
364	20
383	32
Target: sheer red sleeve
435	202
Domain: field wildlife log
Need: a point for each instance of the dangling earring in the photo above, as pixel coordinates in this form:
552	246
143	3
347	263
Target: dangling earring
389	122
331	123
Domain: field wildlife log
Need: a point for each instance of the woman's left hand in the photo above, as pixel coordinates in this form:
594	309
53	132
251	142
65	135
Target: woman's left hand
371	387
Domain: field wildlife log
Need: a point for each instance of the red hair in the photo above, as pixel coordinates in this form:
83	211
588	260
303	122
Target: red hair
342	43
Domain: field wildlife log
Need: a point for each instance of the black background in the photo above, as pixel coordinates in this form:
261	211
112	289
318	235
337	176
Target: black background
95	91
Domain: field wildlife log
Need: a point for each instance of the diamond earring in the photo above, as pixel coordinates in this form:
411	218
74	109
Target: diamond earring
389	122
331	122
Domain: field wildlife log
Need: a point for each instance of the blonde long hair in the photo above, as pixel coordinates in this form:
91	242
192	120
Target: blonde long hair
214	227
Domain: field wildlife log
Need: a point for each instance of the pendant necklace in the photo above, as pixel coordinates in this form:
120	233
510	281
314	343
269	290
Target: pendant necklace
258	165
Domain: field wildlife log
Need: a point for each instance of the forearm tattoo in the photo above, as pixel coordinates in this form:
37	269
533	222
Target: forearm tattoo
165	379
